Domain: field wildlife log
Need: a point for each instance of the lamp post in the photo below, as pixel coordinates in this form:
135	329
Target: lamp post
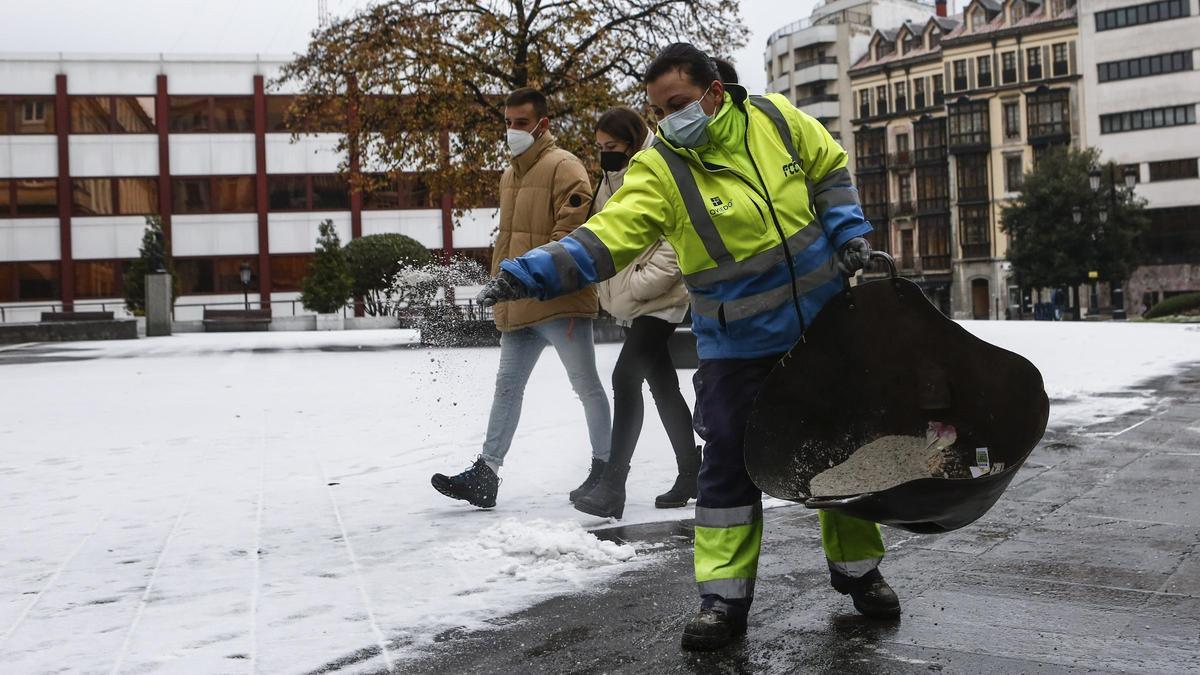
1129	177
244	274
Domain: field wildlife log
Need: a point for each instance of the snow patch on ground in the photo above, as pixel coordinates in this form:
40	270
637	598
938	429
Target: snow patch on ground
216	502
540	550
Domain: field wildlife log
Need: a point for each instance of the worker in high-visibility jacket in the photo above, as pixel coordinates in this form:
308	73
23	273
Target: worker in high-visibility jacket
755	198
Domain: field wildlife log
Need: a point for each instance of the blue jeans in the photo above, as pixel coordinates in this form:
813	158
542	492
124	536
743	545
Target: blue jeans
519	352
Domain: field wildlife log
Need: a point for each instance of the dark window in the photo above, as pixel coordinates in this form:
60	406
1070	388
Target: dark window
31	115
234	114
1033	63
935	241
933	189
973	231
287	271
112	114
1145	66
872	190
930	140
904	185
330	192
935	39
1123	17
1061	64
1014	173
234	194
277	108
1175	169
407	192
287	193
92	197
1049	114
1173	235
1008	67
137	196
98	278
1012	120
37	280
214	275
939	90
8	282
969	123
6	199
919	93
901	91
35	197
191	195
984	71
881	100
114	196
5	117
190	113
960	75
972	178
1152	118
864	103
870	149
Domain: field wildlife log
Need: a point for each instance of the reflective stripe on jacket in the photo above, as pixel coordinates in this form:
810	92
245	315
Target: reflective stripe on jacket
730	209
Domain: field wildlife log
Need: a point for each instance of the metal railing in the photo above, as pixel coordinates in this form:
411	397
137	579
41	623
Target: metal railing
819	61
935	262
819	98
57	307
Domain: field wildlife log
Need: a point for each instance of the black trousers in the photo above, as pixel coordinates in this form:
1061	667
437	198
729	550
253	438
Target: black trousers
645	358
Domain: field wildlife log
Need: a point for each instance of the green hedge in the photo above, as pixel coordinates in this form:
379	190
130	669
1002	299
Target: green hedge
1175	305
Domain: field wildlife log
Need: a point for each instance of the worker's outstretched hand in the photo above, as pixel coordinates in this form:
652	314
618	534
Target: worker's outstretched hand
500	289
854	256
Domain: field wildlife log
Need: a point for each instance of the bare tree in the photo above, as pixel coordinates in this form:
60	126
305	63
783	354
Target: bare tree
420	84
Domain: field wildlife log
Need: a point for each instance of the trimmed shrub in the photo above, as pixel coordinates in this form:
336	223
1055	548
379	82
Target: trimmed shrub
327	286
1179	304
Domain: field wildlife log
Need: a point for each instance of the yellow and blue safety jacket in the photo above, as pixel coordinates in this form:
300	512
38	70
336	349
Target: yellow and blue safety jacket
756	217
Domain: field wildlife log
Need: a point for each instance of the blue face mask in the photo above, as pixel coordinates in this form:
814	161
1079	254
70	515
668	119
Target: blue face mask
688	126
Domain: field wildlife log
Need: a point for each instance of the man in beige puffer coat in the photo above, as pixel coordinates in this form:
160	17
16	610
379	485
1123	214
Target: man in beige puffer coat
544	195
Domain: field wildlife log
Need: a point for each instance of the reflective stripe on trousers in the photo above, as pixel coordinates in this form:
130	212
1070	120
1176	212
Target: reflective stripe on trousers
727	544
852	546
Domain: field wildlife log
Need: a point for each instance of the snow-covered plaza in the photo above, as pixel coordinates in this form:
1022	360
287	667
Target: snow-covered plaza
260	502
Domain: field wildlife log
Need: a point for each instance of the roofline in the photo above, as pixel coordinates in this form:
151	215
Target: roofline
894	65
141	57
1039	27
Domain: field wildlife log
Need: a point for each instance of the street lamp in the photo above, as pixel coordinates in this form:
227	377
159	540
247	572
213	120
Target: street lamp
1094	179
244	274
1076	214
1131	177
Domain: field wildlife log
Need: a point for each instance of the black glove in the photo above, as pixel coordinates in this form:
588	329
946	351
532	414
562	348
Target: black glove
501	289
854	256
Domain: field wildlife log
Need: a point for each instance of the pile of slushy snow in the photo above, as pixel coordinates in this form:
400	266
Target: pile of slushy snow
540	550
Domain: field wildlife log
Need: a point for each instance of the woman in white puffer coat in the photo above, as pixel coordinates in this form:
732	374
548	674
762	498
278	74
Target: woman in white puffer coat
649	299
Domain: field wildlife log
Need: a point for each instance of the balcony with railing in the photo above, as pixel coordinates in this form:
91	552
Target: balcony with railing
1008	76
817	98
875	212
1034	71
818	61
935	263
918	100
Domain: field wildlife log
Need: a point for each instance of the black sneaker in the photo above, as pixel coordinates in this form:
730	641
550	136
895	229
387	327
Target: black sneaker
876	599
476	485
711	629
593	477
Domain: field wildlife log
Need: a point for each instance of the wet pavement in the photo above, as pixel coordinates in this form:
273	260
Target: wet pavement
1090	562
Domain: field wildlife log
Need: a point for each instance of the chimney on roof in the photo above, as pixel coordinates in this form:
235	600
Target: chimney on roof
941	7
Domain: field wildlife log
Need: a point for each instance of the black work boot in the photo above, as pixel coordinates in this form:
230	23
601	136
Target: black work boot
593	477
607	499
685	483
872	595
476	485
711	629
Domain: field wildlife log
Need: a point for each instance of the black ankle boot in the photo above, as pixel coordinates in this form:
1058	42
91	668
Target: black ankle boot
607	499
872	595
593	477
685	483
711	629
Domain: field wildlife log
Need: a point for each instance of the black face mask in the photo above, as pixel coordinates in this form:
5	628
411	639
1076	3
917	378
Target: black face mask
611	160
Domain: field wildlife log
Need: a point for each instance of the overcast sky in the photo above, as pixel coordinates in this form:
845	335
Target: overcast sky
256	26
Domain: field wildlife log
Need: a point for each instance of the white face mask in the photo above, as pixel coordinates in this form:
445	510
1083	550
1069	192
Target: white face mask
519	141
688	126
